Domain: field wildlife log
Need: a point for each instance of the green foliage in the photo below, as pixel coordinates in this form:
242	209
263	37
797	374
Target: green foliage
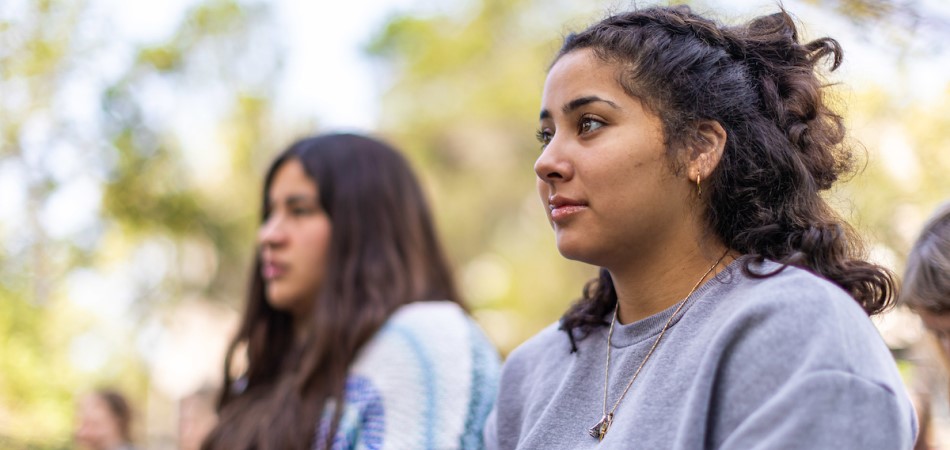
867	11
146	192
150	192
906	173
163	59
36	381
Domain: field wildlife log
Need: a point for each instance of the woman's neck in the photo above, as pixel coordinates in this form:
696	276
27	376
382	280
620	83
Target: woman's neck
649	287
301	323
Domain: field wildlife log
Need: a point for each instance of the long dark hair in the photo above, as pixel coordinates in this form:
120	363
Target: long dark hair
383	254
784	146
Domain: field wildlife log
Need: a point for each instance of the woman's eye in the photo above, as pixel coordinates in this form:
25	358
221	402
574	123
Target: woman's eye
589	124
544	137
301	211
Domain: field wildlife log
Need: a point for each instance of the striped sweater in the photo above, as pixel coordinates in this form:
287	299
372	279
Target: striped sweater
427	380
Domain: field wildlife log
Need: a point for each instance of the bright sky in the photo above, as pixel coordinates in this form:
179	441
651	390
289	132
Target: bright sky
325	75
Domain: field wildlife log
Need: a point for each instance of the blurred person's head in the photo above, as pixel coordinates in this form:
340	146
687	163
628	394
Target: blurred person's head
346	238
926	284
105	421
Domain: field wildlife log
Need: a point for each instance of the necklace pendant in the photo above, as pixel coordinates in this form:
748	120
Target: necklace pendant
600	430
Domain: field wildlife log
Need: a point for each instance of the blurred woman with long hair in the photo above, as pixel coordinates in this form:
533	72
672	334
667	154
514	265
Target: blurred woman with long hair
354	335
688	160
926	291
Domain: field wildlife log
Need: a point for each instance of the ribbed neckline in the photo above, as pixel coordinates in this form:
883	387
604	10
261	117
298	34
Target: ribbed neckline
648	328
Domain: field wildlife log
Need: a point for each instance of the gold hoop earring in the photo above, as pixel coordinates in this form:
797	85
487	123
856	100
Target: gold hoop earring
699	188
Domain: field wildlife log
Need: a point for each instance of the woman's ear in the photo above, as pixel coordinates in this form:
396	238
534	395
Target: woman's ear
705	150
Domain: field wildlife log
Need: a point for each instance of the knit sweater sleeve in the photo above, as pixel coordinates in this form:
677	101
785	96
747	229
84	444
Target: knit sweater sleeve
425	381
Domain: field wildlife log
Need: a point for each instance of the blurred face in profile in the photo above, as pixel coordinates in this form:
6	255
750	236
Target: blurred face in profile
939	325
98	426
294	240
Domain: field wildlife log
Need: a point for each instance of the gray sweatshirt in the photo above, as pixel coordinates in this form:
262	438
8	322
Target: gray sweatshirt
786	362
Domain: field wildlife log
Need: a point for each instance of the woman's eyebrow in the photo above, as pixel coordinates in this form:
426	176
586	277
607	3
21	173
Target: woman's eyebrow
293	199
572	105
299	198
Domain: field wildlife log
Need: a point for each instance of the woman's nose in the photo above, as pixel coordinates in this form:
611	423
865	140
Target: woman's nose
553	165
271	233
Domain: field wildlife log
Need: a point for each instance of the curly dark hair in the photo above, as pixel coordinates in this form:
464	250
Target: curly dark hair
784	146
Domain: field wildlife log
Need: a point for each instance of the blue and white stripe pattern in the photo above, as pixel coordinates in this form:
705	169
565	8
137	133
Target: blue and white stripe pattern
427	380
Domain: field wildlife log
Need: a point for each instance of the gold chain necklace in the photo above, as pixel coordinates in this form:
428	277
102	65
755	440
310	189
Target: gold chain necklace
599	430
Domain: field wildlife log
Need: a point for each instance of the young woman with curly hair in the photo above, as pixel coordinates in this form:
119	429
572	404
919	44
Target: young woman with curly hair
687	159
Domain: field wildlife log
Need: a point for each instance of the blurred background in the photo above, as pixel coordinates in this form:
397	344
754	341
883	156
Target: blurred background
134	136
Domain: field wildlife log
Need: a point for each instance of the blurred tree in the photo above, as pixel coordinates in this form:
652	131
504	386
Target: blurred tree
906	174
112	204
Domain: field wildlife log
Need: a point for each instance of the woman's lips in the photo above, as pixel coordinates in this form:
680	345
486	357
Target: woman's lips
564	207
563	212
273	270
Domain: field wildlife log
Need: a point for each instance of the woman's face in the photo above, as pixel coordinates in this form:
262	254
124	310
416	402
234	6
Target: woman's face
294	240
939	325
604	177
98	427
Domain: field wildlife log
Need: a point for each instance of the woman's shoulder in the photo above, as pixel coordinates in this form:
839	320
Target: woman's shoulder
433	316
547	342
434	372
801	316
427	333
785	344
794	293
436	326
539	358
